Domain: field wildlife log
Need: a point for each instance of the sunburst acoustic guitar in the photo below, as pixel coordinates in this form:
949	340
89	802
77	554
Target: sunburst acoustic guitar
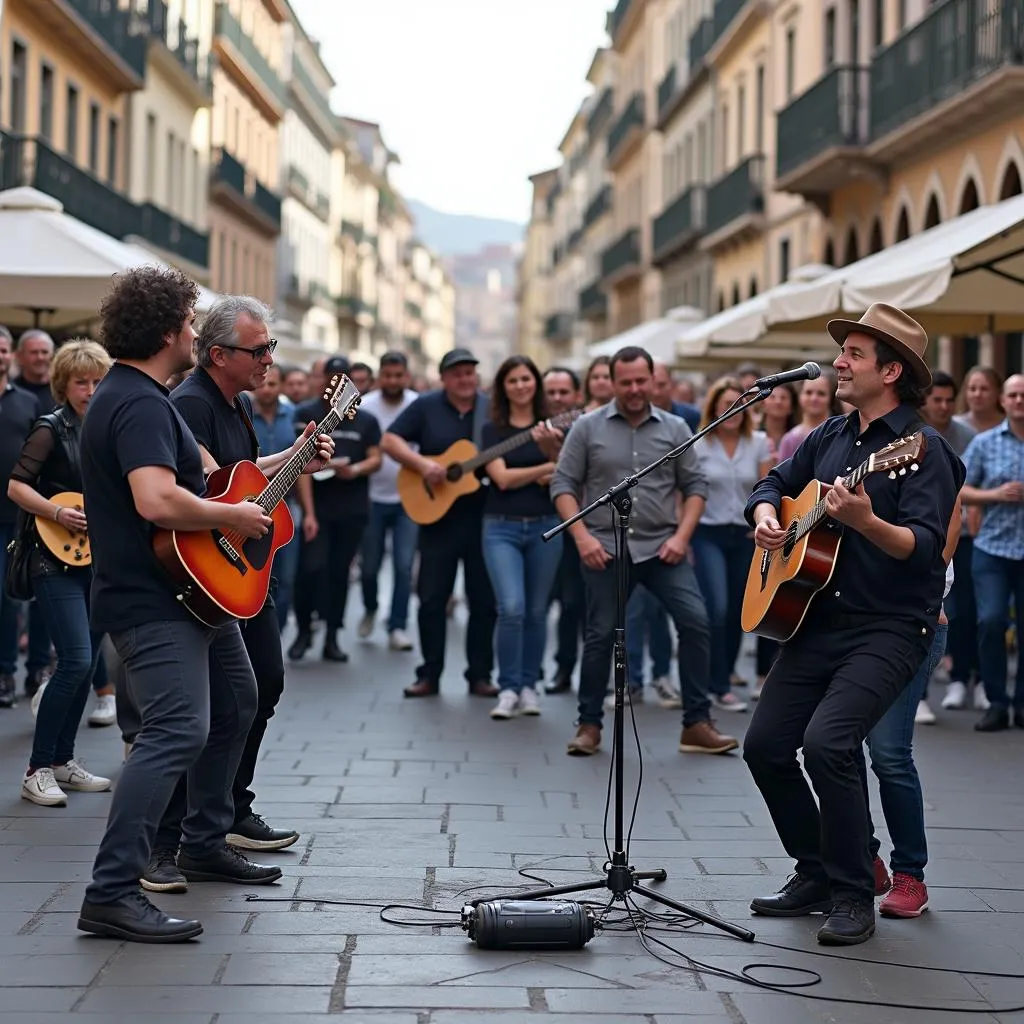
68	546
781	584
426	503
220	576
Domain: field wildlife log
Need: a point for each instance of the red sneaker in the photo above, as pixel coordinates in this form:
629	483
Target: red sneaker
882	881
909	897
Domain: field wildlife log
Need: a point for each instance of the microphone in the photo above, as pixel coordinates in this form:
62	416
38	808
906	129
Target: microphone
809	371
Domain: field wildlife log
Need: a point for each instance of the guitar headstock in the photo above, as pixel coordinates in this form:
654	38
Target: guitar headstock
342	395
895	458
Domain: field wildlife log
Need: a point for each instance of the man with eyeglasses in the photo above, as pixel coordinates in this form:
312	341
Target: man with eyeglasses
233	352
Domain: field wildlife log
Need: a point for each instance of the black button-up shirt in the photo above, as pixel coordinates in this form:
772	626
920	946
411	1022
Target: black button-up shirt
866	580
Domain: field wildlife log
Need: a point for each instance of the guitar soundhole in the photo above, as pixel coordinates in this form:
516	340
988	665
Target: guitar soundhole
787	548
453	473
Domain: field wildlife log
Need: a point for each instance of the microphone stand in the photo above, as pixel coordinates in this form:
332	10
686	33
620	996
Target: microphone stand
621	877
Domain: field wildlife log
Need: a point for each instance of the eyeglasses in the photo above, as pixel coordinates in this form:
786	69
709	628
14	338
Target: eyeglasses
259	352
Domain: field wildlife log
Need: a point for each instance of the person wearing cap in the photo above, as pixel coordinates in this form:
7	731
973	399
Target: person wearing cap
865	634
436	420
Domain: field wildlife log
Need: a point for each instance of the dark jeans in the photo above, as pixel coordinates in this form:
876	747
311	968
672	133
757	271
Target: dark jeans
196	696
8	609
385	518
722	557
996	582
39	640
286	565
962	612
63	600
568	592
458	537
646	621
675	586
827	690
322	583
891	745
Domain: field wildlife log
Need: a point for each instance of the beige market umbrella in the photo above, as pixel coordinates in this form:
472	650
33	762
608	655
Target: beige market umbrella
658	336
55	270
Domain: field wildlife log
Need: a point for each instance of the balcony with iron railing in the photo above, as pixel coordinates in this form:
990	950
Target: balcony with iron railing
118	29
351	307
601	114
621	260
820	134
957	69
666	92
227	26
701	41
679	225
178	43
593	303
558	327
735	202
228	177
627	131
319	98
598	207
172	235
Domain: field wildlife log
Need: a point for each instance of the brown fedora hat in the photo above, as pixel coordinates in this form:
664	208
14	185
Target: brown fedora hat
895	328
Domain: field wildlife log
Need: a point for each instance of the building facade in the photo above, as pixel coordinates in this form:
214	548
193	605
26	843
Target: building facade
533	307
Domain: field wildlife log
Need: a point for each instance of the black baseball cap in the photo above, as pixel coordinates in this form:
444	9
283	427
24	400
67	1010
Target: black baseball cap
336	364
457	357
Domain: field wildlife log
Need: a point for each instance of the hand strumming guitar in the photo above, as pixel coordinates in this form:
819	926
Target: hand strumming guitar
768	534
248	519
71	519
548	440
432	472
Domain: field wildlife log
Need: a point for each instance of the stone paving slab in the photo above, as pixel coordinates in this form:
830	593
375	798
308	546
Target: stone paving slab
430	801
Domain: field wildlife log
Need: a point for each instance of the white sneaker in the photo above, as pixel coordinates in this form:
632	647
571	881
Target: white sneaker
528	704
37	697
105	712
981	702
728	702
667	691
956	696
365	627
924	714
41	788
398	640
73	776
506	706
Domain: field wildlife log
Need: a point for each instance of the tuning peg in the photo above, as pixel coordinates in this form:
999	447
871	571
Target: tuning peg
914	467
892	474
903	471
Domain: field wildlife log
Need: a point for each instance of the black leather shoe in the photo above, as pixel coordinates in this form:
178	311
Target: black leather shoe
227	865
799	896
562	683
994	720
136	920
253	833
483	688
421	688
850	922
300	645
332	652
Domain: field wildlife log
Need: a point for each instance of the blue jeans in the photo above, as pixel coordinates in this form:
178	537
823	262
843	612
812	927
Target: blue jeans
996	580
8	609
675	587
522	568
385	516
890	744
646	620
722	557
63	600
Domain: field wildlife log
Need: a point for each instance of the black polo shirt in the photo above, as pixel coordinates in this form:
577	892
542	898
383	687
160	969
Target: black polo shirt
434	424
223	428
531	500
866	580
18	411
41	392
131	423
335	499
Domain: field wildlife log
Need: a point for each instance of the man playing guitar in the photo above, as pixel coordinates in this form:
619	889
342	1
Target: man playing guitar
865	634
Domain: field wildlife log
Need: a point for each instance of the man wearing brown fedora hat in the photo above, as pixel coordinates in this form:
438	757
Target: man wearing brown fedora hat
866	632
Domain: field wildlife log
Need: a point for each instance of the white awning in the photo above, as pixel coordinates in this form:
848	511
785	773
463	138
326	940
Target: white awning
658	337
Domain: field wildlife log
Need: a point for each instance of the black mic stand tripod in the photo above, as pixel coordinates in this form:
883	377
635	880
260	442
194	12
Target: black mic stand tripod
621	877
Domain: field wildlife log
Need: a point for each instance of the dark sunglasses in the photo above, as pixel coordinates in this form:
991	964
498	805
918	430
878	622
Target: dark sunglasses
258	352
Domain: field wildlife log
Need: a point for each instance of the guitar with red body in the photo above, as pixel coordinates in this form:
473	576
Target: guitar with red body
220	576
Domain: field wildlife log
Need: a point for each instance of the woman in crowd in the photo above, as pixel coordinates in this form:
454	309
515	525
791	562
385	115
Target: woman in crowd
518	511
817	402
981	390
49	465
734	457
779	416
597	384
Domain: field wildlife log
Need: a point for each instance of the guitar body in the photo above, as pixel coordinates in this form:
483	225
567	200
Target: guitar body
70	547
781	584
426	503
222	577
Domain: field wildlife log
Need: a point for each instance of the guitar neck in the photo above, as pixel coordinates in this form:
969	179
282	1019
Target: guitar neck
285	478
817	513
509	444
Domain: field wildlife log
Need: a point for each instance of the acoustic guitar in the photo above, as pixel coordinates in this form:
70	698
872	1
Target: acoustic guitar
781	584
425	503
68	546
220	575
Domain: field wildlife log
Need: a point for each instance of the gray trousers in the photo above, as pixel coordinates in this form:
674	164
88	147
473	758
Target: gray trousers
195	694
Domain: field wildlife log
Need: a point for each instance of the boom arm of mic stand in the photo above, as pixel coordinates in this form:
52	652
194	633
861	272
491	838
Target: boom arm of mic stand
627	483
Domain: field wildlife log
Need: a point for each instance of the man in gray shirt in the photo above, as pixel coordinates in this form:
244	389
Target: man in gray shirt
603	447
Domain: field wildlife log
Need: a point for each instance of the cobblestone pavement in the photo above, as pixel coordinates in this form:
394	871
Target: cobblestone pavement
415	801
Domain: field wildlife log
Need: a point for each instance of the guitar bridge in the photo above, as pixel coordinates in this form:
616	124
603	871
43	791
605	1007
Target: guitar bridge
230	553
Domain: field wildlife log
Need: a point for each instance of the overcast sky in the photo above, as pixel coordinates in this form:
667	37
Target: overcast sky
473	95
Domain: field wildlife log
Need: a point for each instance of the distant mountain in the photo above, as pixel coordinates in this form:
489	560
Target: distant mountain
457	234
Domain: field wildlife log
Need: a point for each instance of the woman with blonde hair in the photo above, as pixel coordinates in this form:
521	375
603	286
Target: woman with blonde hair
734	457
50	465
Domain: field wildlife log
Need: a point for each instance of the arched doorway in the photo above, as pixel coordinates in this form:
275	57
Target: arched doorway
1011	182
876	244
903	226
931	215
969	199
852	253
